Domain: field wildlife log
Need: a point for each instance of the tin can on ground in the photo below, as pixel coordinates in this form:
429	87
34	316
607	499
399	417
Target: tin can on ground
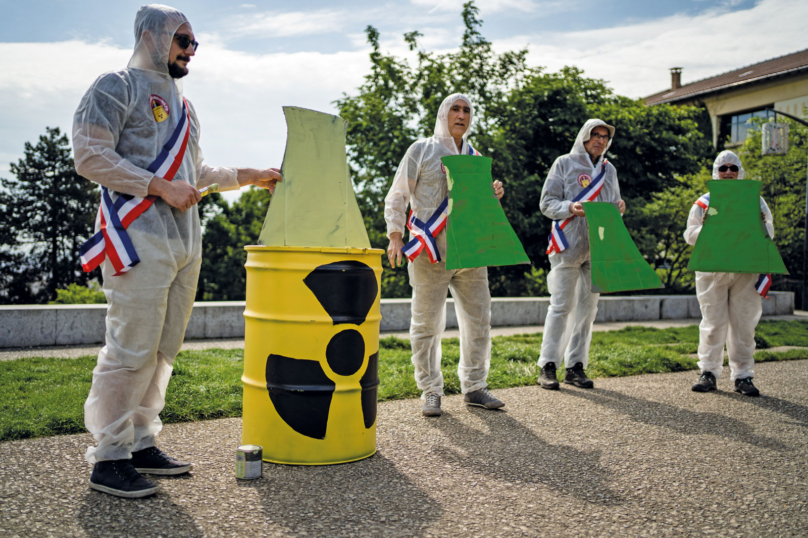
248	462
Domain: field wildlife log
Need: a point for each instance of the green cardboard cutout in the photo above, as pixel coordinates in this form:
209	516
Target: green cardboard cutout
314	205
734	238
478	233
617	265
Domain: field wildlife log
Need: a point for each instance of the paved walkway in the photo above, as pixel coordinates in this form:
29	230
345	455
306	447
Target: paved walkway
72	352
636	456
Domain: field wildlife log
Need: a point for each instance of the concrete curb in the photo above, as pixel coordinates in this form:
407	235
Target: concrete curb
57	325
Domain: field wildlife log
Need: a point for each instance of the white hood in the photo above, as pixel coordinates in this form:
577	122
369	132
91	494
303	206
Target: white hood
442	122
584	134
155	26
727	157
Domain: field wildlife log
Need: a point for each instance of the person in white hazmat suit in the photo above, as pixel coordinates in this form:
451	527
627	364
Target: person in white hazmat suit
569	281
730	304
420	181
119	130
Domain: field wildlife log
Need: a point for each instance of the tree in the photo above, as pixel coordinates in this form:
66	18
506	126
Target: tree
46	213
524	119
227	230
783	189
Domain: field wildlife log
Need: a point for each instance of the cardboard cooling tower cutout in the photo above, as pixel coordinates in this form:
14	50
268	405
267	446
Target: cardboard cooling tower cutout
478	233
314	205
734	238
617	265
298	387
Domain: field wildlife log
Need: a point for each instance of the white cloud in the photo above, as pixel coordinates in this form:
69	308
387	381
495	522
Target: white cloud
486	6
635	58
296	23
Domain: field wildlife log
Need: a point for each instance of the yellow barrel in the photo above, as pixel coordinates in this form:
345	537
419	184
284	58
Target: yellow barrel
311	353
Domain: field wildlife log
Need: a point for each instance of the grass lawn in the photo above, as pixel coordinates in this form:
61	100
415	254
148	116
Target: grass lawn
45	396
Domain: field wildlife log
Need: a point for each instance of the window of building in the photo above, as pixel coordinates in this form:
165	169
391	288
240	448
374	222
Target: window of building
737	127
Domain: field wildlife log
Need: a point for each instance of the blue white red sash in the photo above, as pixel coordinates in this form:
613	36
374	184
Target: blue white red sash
558	242
423	233
764	282
112	240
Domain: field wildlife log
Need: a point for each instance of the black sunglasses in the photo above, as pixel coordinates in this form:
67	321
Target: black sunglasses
183	41
731	168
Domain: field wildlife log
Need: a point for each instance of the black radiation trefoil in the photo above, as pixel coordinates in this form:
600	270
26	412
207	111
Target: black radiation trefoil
299	389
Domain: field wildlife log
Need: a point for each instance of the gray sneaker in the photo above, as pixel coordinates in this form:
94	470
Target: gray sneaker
431	406
483	398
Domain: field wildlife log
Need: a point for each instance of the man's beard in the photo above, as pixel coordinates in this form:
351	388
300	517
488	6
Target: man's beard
175	70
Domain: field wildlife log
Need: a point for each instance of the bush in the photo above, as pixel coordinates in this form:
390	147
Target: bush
75	294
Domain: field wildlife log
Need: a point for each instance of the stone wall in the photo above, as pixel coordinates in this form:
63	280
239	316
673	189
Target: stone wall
49	325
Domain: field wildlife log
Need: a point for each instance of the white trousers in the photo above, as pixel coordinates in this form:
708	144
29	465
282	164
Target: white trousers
472	298
730	311
570	294
148	311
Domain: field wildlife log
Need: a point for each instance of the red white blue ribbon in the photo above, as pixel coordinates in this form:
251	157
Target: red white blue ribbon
112	240
423	233
764	282
557	240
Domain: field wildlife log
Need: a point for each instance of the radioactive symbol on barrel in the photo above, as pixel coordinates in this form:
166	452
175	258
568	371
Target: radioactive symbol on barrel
299	389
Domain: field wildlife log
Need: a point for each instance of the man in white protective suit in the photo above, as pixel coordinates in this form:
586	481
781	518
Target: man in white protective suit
731	303
581	176
420	181
132	132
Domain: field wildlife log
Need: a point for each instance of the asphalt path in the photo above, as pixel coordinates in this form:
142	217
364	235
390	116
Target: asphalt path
636	456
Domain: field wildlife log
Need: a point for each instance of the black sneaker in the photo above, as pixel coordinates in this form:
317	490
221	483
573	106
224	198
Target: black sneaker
576	376
706	383
154	461
745	387
119	478
547	377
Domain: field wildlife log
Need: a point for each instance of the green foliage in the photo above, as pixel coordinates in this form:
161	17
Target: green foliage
75	294
524	118
45	396
46	212
784	183
228	229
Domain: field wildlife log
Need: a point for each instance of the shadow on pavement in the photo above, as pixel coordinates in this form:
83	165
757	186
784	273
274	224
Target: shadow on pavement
790	409
368	498
102	515
677	419
512	452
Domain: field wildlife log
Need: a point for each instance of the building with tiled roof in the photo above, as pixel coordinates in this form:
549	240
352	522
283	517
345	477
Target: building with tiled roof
733	98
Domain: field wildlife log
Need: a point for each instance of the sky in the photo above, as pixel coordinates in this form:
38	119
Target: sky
256	57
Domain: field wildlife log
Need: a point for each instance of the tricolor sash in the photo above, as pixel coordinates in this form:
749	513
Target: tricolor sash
112	240
764	282
557	240
423	233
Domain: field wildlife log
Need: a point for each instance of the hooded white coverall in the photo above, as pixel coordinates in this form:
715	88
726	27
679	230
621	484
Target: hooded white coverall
569	280
420	181
730	304
116	136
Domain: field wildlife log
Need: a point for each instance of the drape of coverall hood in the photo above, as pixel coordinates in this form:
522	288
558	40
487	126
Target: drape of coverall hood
569	281
420	181
116	136
730	305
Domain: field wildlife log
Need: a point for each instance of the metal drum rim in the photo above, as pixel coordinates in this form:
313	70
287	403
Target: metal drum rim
315	250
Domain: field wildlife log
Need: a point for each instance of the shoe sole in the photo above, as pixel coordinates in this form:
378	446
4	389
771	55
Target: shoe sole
432	414
549	386
581	386
708	389
165	472
124	494
472	404
753	394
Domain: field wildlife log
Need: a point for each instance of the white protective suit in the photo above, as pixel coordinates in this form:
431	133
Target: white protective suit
420	181
115	138
730	304
569	280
